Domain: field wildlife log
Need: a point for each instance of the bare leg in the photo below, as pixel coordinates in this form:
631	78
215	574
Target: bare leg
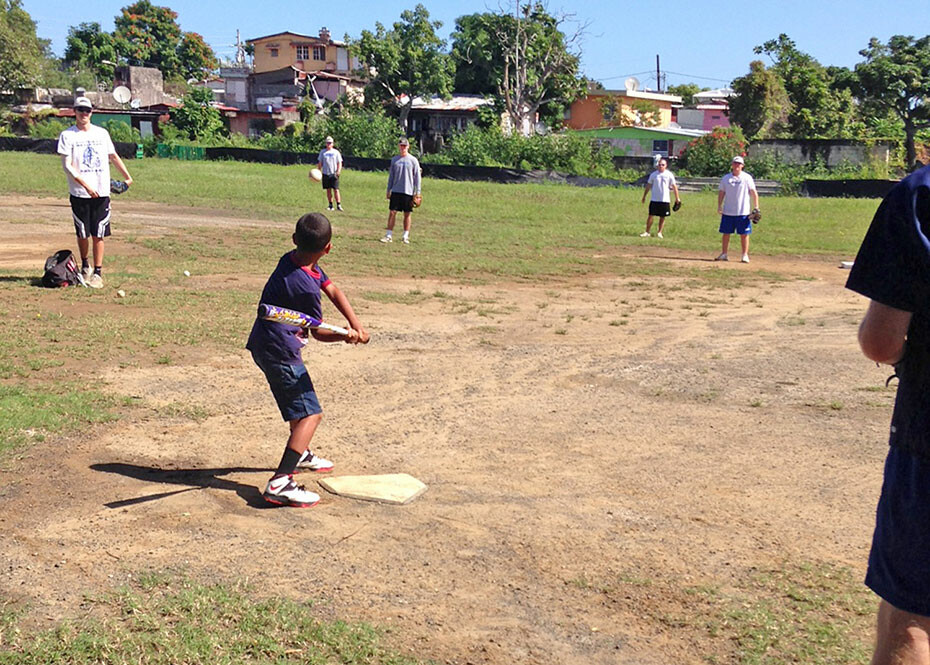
338	198
98	252
302	431
648	223
83	247
744	243
406	222
661	223
329	196
725	243
902	637
391	215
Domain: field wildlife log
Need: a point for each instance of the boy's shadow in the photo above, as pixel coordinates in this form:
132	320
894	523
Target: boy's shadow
194	479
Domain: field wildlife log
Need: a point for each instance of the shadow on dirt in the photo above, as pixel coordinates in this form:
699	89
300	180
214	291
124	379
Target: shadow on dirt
195	479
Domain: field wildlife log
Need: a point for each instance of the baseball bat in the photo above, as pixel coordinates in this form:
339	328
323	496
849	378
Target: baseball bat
294	318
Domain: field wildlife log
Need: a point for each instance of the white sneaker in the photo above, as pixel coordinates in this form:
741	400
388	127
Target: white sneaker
644	234
722	257
283	491
310	462
659	235
87	272
387	239
745	258
406	240
95	281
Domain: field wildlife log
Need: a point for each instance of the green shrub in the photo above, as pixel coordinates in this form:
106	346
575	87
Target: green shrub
711	154
48	128
122	132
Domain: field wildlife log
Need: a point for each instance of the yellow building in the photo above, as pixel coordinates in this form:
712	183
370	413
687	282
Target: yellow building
304	52
609	108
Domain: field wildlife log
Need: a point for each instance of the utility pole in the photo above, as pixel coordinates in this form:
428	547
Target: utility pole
658	75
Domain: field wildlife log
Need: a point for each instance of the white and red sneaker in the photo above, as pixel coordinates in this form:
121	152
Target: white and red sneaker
283	491
310	462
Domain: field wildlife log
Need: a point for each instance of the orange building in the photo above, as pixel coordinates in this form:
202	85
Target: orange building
606	108
306	53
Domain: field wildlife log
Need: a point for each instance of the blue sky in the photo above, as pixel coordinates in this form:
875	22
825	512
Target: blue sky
708	43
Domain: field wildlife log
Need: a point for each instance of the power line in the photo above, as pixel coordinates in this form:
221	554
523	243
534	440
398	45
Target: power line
623	76
693	76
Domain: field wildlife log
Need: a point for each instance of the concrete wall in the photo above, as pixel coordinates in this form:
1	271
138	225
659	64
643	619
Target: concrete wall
832	152
588	113
146	84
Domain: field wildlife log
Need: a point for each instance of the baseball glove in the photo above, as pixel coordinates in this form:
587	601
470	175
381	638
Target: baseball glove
677	206
755	215
417	200
118	186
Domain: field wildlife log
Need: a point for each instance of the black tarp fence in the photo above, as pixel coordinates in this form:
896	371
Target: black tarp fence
50	146
860	189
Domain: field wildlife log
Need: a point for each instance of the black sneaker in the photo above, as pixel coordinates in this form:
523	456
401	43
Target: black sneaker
330	206
283	491
339	207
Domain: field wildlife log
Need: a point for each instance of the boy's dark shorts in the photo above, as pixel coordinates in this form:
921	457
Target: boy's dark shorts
401	202
659	209
291	387
899	563
330	181
91	216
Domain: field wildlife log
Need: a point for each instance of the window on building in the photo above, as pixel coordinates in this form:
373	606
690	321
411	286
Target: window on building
660	148
303	52
319	53
274	53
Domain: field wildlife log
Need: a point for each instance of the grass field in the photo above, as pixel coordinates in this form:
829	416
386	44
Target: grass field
465	233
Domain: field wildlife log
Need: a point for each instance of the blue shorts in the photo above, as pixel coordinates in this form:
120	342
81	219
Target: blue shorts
735	224
291	387
899	563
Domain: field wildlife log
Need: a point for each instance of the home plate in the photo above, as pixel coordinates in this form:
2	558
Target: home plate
399	488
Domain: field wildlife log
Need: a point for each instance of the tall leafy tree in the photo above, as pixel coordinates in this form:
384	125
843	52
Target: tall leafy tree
407	61
90	47
895	78
817	109
524	59
149	36
22	54
761	106
196	57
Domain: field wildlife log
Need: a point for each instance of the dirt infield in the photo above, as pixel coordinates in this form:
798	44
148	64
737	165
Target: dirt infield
607	460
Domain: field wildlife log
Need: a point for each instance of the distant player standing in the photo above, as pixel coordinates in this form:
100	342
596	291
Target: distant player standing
661	182
86	152
329	162
733	207
403	188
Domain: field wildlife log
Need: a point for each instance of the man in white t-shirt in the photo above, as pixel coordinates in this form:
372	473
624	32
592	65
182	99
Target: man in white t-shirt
733	207
329	161
86	152
661	182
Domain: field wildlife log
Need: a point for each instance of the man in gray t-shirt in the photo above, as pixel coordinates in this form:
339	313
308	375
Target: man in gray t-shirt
329	161
403	189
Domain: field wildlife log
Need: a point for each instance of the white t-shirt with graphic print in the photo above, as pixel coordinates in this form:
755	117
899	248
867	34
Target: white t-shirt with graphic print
89	152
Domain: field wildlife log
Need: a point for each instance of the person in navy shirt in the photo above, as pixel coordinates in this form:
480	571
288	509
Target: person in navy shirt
892	269
297	283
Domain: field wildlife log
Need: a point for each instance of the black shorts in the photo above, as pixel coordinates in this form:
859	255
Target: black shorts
401	202
330	181
659	209
91	216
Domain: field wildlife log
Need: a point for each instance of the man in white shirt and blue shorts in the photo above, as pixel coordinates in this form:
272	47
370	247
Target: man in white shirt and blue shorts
661	182
733	207
329	161
86	152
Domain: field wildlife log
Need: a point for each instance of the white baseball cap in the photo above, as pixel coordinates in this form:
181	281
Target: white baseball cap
738	160
329	139
83	102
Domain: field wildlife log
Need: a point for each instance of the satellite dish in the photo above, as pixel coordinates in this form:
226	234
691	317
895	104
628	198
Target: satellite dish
540	128
122	94
135	104
631	84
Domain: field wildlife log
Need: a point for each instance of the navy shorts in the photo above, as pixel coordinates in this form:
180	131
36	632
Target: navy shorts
659	209
91	216
401	202
735	224
899	563
330	181
291	387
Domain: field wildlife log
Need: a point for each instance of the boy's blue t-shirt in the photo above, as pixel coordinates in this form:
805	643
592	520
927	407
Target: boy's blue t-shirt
294	287
893	268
